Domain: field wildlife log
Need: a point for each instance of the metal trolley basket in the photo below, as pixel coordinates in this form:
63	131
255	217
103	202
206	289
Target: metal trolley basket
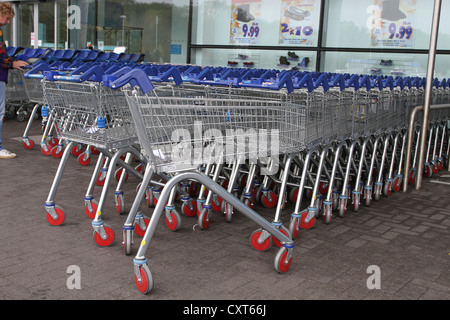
178	134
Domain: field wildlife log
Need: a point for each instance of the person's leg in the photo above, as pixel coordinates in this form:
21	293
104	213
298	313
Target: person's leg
2	108
4	154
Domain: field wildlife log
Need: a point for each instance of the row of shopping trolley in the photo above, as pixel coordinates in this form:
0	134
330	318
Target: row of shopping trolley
321	141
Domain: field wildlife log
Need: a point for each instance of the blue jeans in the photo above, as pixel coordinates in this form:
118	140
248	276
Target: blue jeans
2	108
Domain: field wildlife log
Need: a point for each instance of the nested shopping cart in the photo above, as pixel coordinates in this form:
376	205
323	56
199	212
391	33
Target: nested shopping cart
177	135
16	96
84	116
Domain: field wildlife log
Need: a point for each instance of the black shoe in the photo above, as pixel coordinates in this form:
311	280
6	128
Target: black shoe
283	60
244	14
292	55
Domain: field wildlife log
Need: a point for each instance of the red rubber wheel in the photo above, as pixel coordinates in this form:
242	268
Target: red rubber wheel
280	261
305	225
276	241
47	150
204	219
29	145
94	206
259	246
174	224
61	217
138	229
146	285
188	212
105	242
270	203
84	161
77	150
215	207
56	152
53	142
323	187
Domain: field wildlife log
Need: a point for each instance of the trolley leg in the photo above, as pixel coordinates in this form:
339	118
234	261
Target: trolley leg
54	216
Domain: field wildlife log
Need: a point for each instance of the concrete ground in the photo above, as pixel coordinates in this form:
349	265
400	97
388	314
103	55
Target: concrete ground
400	245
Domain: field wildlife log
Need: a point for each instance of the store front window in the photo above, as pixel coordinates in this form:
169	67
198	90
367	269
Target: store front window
156	28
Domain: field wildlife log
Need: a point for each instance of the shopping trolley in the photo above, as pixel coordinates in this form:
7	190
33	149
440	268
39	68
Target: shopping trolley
83	116
161	121
16	96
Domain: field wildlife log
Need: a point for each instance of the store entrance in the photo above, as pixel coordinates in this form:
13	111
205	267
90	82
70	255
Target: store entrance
41	24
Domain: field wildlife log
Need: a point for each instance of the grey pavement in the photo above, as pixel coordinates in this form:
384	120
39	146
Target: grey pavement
405	236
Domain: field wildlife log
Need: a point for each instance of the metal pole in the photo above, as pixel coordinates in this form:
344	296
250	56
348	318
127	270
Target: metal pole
428	88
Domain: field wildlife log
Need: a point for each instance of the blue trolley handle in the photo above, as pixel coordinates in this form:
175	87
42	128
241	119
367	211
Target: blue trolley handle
135	77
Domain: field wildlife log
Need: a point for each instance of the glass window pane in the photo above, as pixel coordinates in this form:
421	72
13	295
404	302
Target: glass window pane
24	14
46	38
256	22
370	24
265	59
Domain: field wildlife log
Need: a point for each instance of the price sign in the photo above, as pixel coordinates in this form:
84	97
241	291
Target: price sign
245	22
392	23
297	22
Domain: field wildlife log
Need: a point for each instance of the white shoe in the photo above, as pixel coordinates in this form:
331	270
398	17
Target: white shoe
5	154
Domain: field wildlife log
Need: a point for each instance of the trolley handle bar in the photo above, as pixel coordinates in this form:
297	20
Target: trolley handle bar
135	77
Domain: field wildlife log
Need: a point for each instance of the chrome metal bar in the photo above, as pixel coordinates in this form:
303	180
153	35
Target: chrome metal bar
428	88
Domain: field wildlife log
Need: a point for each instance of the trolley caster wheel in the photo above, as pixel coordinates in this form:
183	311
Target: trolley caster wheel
228	212
342	207
61	216
173	220
140	229
283	260
377	192
101	177
294	227
84	159
304	224
217	206
46	150
260	240
119	202
91	209
118	174
144	282
283	230
435	168
356	201
28	144
189	211
204	219
293	194
128	240
77	150
327	213
269	200
387	189
427	171
323	187
412	176
397	184
57	151
109	237
367	197
53	142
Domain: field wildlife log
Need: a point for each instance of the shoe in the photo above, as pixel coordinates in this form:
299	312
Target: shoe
243	14
292	55
283	60
5	154
248	64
